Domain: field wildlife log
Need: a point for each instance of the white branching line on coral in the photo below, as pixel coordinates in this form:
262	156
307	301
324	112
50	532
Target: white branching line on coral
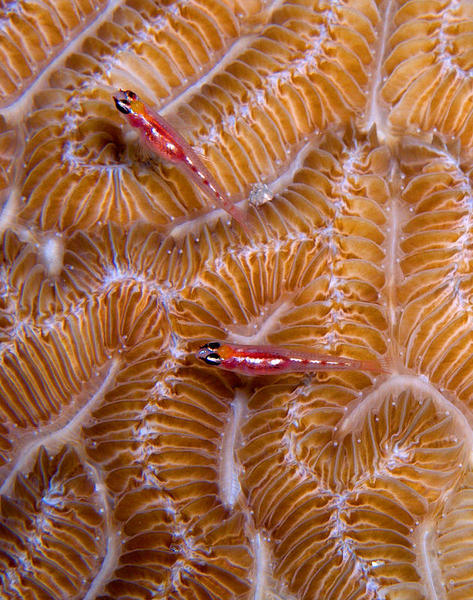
22	104
392	268
232	53
296	158
70	433
229	482
53	441
111	534
185	226
355	417
262	329
10	208
262	559
305	65
375	114
429	566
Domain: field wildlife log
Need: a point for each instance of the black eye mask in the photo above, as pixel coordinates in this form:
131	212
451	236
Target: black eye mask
122	105
211	359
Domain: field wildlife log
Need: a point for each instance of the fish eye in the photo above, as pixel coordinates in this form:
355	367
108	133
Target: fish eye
212	359
213	345
129	94
123	106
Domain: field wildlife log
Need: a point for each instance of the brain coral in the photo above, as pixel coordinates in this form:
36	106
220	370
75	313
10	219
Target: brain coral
128	469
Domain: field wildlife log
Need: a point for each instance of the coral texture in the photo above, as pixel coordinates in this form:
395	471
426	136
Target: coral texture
129	470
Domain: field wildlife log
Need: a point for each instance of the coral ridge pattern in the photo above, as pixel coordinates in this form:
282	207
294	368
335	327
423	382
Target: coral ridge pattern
129	469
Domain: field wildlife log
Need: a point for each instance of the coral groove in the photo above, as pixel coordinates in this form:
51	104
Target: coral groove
128	468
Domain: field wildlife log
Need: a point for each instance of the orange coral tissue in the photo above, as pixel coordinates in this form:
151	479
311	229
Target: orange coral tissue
128	468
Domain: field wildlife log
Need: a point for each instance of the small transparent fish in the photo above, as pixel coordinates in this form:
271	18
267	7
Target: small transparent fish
164	141
269	360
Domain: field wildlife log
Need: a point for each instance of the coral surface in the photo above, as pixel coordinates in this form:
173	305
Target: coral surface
130	470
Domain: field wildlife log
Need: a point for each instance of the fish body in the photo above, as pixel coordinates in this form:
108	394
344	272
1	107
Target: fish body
269	360
164	141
